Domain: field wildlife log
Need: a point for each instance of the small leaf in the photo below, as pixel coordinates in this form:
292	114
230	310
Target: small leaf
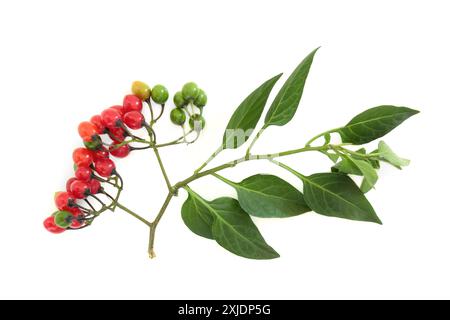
332	156
350	165
347	166
268	196
374	123
327	138
386	154
233	228
247	115
336	195
286	102
197	217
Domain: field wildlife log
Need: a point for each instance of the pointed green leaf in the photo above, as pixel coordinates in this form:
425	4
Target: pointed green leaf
247	115
268	196
197	217
350	165
386	154
233	228
286	102
374	123
332	156
336	195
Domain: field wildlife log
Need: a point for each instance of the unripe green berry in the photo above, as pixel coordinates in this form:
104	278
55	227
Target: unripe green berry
63	219
177	116
141	89
160	94
178	100
197	122
201	99
190	91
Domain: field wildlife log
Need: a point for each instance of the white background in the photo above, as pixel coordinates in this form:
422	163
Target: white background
63	61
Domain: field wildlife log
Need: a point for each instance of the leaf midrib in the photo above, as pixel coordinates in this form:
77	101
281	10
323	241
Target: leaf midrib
332	193
373	119
225	222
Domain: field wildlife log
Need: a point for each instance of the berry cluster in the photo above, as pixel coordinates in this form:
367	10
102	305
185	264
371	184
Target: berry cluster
110	134
185	100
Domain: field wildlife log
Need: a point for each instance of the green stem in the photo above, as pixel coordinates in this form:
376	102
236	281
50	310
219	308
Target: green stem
320	135
209	159
133	214
163	170
154	224
286	167
363	155
254	140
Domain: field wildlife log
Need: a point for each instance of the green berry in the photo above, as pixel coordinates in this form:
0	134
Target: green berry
197	122
178	100
177	116
141	89
160	94
63	219
201	99
190	91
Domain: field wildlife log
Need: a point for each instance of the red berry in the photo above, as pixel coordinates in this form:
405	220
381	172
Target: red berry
97	122
119	152
64	200
50	225
69	182
117	134
82	157
83	174
95	186
120	109
132	103
87	130
134	119
104	167
102	153
79	189
76	223
111	118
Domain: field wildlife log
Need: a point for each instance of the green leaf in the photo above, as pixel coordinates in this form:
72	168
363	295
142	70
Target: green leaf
386	154
286	102
374	123
247	115
350	165
332	156
268	196
347	166
233	228
197	217
336	195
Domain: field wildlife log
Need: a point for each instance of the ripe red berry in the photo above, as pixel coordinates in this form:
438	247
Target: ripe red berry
79	189
120	109
117	134
82	157
111	118
104	167
97	122
64	200
87	131
95	186
77	216
133	119
50	225
83	174
101	153
119	152
132	103
69	182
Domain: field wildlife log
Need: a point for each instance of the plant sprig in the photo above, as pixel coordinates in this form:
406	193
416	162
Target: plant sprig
330	193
